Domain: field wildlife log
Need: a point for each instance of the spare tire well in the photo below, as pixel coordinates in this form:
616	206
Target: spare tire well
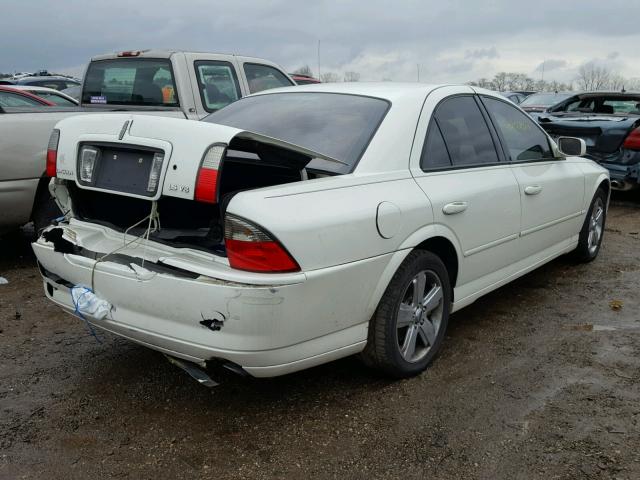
444	249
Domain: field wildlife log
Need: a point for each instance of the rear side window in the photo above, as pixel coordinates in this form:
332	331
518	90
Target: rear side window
264	77
465	132
57	99
434	151
130	81
524	139
8	99
218	84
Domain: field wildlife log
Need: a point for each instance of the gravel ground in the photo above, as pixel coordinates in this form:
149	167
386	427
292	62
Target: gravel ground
539	379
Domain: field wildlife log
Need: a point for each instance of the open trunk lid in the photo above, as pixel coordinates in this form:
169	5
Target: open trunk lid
127	151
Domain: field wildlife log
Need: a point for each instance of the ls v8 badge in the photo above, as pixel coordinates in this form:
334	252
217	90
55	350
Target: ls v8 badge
182	188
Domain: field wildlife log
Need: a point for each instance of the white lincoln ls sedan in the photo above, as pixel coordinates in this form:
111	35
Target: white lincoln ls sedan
305	224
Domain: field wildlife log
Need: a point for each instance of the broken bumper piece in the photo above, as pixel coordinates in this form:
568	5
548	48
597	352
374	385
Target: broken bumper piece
266	329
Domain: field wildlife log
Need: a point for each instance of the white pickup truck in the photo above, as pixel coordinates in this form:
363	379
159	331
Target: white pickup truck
180	84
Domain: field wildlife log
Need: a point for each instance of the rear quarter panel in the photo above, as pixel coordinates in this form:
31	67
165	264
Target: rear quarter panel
328	222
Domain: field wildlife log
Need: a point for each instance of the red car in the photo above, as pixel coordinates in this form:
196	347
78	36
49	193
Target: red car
302	79
11	97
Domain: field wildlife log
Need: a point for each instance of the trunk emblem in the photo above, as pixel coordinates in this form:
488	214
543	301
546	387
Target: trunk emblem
123	130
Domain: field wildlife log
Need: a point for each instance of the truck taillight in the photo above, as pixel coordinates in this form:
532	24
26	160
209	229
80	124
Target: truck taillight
252	249
52	153
632	142
130	53
207	180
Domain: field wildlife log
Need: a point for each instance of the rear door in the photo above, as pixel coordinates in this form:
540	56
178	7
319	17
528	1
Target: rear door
551	189
473	192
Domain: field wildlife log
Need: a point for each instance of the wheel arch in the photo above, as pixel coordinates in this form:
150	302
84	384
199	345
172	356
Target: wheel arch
434	238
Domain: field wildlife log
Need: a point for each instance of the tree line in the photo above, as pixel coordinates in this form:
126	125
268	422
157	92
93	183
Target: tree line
590	77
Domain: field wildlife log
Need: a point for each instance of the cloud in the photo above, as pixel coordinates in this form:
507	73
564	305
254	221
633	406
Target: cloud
482	53
451	41
551	64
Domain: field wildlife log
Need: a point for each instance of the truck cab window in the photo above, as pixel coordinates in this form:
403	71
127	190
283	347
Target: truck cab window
264	77
217	83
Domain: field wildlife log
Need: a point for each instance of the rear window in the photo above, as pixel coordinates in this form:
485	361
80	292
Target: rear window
336	125
544	99
130	81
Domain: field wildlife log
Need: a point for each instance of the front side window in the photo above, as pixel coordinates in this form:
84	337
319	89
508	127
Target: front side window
130	81
465	132
9	99
331	124
218	84
264	77
524	139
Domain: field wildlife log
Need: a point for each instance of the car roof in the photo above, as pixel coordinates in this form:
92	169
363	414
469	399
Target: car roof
606	94
45	77
385	90
167	53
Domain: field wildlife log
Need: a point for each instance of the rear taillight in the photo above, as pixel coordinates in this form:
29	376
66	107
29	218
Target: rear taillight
632	142
52	153
251	248
207	180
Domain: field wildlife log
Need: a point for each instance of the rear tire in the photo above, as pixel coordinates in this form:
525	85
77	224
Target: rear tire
408	327
45	210
592	230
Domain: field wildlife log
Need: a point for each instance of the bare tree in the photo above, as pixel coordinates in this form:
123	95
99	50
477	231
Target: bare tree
617	82
304	70
329	77
500	81
351	77
593	77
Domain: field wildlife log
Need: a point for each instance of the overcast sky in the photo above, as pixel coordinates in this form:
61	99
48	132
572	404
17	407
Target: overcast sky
452	41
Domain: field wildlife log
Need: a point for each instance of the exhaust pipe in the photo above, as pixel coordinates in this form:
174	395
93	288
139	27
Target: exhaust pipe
194	370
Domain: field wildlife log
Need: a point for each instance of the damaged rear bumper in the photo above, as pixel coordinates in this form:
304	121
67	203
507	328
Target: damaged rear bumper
286	323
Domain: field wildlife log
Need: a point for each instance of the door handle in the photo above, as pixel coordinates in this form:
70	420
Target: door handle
532	189
454	207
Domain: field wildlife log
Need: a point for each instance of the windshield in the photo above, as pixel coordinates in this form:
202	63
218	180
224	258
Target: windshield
335	125
545	99
130	81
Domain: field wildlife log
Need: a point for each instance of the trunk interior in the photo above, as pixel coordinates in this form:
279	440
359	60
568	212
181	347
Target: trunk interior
188	223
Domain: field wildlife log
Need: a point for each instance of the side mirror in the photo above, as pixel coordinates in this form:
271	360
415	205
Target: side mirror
572	147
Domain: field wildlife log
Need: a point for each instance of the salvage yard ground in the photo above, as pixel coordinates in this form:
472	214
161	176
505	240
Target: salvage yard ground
540	379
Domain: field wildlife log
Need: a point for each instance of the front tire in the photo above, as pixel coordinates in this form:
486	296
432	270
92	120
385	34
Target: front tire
592	230
408	327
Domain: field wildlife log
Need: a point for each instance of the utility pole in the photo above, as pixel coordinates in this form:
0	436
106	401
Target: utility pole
543	62
318	59
418	65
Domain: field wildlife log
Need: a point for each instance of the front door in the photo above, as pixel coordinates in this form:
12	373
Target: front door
551	189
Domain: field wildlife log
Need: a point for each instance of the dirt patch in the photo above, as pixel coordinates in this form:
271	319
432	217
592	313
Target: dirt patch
539	379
